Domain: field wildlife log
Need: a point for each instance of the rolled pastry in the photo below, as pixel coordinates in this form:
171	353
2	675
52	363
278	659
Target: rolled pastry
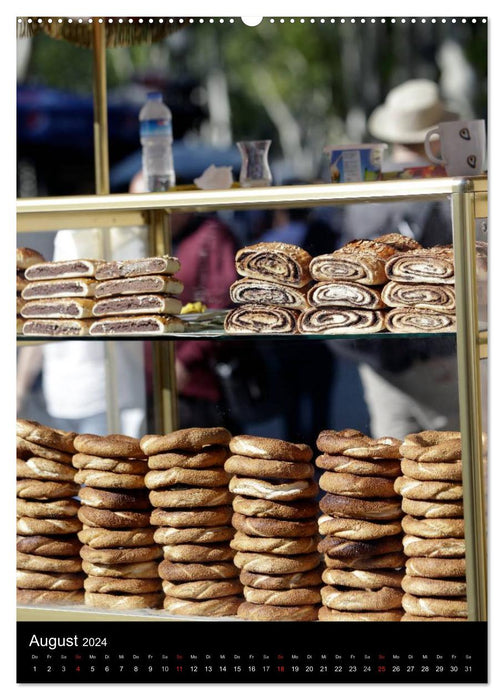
338	320
253	291
348	294
254	318
275	262
435	297
425	265
404	320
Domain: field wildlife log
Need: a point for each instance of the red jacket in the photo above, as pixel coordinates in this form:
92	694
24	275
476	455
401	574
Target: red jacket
207	269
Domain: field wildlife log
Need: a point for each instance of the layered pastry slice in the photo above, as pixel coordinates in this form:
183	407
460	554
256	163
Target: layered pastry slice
145	284
435	297
158	265
137	304
252	291
62	269
255	318
427	265
347	294
337	320
58	308
57	327
143	324
55	288
404	320
283	263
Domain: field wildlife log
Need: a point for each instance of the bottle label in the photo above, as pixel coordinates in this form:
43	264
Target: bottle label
155	127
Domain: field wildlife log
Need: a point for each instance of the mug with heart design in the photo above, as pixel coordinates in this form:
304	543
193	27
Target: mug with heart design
463	146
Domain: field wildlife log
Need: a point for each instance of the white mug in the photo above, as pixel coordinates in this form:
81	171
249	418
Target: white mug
463	145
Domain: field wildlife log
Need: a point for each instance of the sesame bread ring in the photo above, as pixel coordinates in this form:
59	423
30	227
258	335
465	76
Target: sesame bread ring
357	486
172	571
120	555
109	480
285	491
436	528
283	613
268	468
48	546
113	601
26	449
274	545
39	597
202	590
430	607
432	446
130	499
353	443
101	538
218	607
428	490
347	465
213	456
431	509
434	567
47	526
270	448
143	569
434	587
342	549
364	580
351	529
43	435
449	548
188	439
193	535
109	446
64	508
33	562
161	479
275	564
190	498
113	519
293	596
417	618
432	471
360	508
394	560
382	599
328	615
107	584
49	581
303	579
43	490
198	517
268	527
198	552
47	469
261	508
109	464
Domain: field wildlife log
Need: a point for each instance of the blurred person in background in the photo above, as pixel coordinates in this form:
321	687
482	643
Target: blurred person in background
409	385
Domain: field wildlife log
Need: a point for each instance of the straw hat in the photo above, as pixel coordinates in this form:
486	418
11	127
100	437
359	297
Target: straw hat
409	111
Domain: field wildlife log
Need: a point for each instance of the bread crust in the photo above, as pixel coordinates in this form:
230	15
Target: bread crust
329	615
144	569
202	590
108	584
44	469
359	508
363	580
114	601
199	517
102	538
216	607
44	490
432	446
269	527
432	471
274	545
113	445
49	581
268	468
129	499
25	449
192	535
284	613
33	431
190	498
270	448
25	257
356	600
342	548
276	564
353	443
428	490
188	439
197	571
25	596
433	509
262	508
433	567
358	530
394	560
357	486
434	587
282	582
269	490
120	555
34	562
360	467
47	526
448	548
212	456
293	596
109	464
113	519
436	528
48	546
63	508
430	607
165	478
198	553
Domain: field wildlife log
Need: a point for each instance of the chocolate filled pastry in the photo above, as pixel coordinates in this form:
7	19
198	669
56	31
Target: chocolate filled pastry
348	294
76	287
26	257
158	265
62	269
398	241
360	261
252	291
424	265
58	308
405	320
147	284
337	320
254	318
141	324
137	304
284	263
61	328
436	297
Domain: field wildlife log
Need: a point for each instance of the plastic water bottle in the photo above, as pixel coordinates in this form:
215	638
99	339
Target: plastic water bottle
156	139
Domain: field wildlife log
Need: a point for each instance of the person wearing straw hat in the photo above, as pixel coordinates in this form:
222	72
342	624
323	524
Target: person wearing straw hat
409	385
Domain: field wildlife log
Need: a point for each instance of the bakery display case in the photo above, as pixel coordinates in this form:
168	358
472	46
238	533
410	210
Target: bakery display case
468	199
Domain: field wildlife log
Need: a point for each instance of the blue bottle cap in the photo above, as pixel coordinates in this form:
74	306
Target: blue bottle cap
154	95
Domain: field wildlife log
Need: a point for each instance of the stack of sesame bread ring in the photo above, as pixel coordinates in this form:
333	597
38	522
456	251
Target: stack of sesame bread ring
120	556
431	489
48	565
276	536
192	515
361	527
